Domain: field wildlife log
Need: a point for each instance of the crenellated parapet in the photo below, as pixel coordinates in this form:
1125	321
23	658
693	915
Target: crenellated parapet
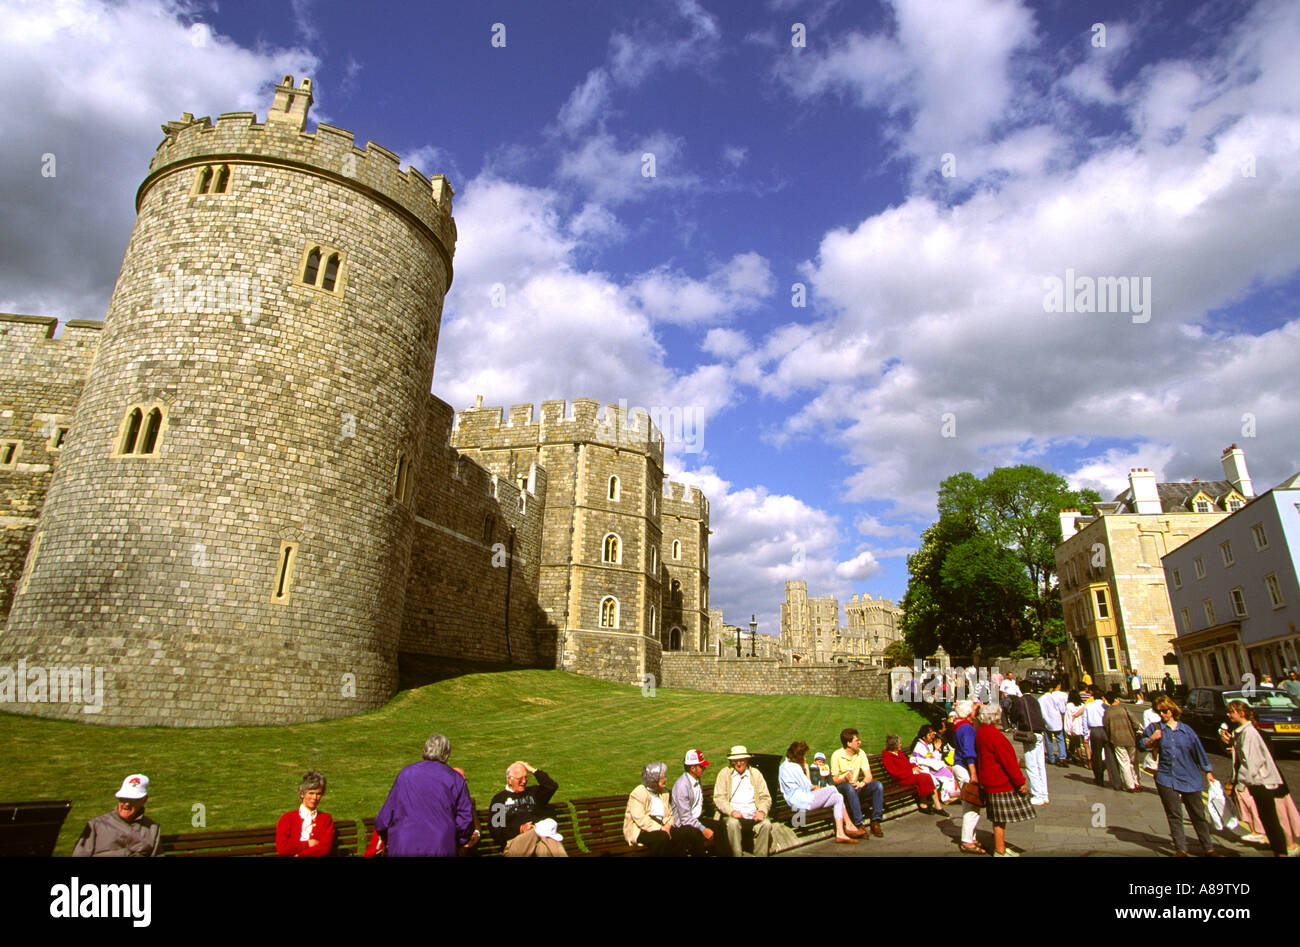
681	499
582	420
329	152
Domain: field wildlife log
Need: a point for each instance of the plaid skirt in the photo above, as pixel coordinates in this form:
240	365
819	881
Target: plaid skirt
1009	807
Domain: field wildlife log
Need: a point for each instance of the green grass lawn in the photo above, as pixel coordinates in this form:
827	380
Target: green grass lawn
591	736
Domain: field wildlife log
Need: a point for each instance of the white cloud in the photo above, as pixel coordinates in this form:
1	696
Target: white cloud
611	174
736	286
861	566
586	102
950	297
725	343
760	541
89	82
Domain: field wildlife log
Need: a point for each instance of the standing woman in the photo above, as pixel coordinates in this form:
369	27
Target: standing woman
1184	771
1000	777
1253	765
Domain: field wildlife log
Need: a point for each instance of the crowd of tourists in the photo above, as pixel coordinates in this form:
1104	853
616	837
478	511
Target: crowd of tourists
971	759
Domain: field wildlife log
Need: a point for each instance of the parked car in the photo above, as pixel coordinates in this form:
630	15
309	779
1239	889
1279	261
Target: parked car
1037	680
1278	714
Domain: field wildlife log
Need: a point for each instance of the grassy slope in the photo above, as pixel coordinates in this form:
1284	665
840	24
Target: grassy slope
591	736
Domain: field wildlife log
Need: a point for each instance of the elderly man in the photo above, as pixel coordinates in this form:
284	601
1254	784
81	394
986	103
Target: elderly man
852	776
428	810
521	821
126	832
694	834
743	801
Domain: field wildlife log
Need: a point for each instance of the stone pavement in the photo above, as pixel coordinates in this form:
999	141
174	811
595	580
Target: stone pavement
1082	819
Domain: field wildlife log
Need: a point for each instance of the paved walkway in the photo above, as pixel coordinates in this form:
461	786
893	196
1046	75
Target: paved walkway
1082	819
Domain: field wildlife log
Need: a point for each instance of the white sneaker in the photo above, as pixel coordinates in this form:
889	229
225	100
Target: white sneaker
1254	837
1007	854
1038	802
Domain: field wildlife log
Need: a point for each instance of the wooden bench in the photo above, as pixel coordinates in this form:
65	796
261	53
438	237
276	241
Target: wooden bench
31	828
900	799
254	842
600	825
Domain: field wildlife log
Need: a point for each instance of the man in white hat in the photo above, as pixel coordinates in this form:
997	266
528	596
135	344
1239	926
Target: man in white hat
126	831
743	802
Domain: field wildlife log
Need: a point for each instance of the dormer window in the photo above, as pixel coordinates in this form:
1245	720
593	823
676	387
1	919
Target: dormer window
1235	503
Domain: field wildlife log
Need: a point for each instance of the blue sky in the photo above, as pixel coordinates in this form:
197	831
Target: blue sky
921	167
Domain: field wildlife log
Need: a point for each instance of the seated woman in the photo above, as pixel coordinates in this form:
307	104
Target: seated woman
306	831
797	788
927	753
909	774
648	820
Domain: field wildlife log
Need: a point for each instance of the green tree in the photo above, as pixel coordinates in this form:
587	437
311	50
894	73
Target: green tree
898	654
1019	509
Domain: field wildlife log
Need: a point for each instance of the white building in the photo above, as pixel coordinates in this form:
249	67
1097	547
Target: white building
1236	595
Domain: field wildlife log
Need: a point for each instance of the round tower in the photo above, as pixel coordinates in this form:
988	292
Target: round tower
228	531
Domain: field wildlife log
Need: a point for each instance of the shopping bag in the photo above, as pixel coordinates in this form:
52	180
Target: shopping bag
1214	804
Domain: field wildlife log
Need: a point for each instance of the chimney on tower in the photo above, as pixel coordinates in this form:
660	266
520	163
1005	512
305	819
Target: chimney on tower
290	105
1234	469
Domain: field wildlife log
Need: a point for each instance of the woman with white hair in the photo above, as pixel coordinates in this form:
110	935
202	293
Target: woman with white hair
648	820
966	770
1006	790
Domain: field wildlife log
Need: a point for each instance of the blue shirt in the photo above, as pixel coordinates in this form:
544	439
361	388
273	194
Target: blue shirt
795	786
964	740
1182	757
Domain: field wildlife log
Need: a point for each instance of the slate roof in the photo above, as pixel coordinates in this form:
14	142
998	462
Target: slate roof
1175	497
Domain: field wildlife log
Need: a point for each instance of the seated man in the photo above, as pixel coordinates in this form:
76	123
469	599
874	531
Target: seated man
694	834
126	832
743	802
852	776
520	820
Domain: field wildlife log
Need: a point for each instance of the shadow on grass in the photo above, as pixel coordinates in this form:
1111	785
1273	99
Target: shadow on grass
419	670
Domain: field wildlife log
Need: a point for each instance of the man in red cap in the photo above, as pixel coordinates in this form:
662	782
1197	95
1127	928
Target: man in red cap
695	833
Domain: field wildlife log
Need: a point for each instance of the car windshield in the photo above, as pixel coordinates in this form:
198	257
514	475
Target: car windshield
1262	698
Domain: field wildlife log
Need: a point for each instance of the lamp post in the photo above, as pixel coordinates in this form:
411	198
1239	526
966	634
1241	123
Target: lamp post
753	630
738	633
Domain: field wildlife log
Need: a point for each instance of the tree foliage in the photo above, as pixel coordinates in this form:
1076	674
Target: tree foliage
982	576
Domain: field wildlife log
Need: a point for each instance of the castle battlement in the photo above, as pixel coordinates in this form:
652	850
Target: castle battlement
29	329
488	427
683	500
331	152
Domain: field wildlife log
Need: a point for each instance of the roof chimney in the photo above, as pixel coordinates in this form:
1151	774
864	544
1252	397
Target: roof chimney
1068	528
1146	499
290	105
1234	469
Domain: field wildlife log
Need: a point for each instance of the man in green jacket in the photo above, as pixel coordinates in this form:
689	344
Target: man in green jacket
743	802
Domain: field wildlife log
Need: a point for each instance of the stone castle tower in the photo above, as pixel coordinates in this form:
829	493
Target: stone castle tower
227	520
621	561
249	501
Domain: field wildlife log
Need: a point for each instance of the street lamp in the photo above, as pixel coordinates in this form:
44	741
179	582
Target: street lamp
753	631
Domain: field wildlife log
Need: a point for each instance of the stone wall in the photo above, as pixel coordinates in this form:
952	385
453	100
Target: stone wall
39	390
732	675
461	559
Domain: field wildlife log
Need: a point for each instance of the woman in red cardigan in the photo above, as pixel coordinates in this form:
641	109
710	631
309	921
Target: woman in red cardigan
905	772
306	831
1004	785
